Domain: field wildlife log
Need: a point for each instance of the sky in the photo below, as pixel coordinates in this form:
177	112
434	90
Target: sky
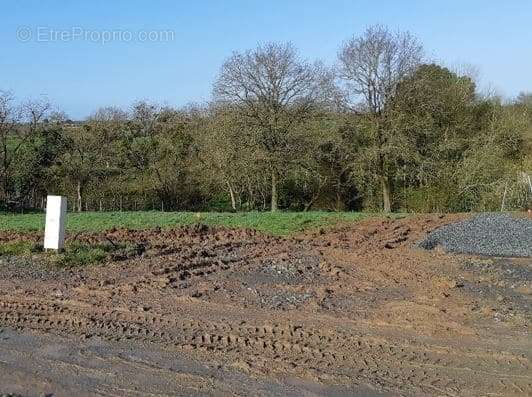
84	55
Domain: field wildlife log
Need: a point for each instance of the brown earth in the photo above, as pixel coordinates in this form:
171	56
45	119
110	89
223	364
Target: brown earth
351	311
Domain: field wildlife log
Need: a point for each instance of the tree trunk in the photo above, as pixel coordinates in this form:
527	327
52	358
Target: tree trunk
383	174
386	194
4	172
275	194
79	201
339	203
232	194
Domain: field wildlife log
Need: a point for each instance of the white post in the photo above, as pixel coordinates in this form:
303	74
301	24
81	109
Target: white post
54	233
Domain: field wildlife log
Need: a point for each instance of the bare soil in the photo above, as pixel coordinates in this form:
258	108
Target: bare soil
357	310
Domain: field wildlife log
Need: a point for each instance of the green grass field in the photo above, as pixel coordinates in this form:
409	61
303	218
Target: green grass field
280	223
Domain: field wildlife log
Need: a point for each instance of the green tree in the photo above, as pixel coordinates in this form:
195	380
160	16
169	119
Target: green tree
370	68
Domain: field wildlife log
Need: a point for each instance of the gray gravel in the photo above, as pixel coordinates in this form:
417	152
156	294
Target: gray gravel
489	234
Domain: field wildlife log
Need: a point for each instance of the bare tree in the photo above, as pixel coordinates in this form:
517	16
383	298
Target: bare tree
524	98
145	115
276	90
58	117
34	113
370	68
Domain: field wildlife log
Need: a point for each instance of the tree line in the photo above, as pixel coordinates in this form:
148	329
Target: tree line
383	129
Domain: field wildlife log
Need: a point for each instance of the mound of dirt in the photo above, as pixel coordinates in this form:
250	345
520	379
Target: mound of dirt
352	310
490	234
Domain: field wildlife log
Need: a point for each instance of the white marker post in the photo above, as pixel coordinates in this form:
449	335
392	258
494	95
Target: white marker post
54	233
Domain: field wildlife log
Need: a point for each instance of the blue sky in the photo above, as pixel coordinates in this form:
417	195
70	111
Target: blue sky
80	75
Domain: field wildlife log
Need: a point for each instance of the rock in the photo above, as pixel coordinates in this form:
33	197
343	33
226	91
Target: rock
489	234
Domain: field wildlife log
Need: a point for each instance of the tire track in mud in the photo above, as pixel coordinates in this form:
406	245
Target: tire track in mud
315	343
332	353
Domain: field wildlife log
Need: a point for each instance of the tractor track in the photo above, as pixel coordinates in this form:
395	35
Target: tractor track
296	349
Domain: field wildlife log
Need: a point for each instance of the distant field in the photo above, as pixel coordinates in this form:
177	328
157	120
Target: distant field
280	223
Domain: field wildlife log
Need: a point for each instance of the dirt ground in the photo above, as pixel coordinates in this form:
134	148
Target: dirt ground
356	310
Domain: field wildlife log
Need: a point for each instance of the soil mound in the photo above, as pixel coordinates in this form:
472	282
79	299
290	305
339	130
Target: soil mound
355	306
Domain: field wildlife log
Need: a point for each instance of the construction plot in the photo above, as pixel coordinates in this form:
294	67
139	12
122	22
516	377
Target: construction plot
360	309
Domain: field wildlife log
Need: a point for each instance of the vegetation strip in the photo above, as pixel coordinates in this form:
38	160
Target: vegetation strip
281	223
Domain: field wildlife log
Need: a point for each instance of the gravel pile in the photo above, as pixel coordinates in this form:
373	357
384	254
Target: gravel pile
489	234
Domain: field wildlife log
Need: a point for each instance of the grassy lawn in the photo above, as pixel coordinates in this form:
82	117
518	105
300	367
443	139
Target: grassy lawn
280	223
